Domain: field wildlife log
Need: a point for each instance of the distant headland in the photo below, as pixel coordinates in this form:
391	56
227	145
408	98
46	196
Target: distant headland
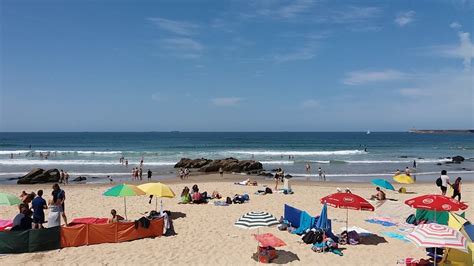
441	131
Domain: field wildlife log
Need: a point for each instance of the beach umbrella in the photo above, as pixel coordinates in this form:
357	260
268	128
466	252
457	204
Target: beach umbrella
345	200
269	240
403	179
437	236
257	219
158	190
124	190
435	202
9	199
323	222
383	184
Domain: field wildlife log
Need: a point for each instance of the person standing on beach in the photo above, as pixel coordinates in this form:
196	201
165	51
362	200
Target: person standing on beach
66	177
133	173
308	167
140	173
59	196
61	176
110	179
126	162
457	188
407	171
221	171
320	173
444	182
149	173
414	164
324	176
38	205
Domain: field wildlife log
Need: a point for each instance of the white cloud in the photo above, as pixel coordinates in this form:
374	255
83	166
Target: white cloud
310	103
363	77
183	47
455	25
405	18
175	26
412	92
464	50
350	15
226	101
295	8
286	11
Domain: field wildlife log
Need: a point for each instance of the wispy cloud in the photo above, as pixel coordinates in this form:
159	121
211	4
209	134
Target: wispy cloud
350	14
226	101
306	52
175	26
282	11
405	18
363	77
183	47
310	103
463	50
455	25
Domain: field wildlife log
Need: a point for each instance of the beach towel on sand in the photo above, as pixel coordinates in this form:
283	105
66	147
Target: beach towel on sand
395	235
382	223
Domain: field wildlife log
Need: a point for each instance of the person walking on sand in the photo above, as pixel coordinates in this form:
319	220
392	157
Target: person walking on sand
140	173
221	171
457	188
38	205
320	173
324	176
133	174
61	176
444	182
149	173
414	164
66	177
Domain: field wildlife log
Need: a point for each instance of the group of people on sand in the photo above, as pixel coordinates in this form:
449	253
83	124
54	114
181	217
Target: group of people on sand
183	173
63	177
194	196
443	183
137	174
31	210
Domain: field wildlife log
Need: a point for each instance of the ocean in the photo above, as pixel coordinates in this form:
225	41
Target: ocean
343	156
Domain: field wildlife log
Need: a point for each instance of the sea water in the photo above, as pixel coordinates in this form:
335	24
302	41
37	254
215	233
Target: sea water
343	156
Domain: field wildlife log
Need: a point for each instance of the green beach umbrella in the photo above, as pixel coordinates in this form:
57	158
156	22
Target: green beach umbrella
9	199
124	190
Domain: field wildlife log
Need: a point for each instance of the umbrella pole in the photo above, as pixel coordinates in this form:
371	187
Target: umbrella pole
125	204
347	221
156	203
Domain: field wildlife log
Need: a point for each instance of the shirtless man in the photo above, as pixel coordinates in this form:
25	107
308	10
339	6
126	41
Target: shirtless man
380	195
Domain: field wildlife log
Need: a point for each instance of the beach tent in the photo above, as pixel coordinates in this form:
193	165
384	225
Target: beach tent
433	216
292	215
455	257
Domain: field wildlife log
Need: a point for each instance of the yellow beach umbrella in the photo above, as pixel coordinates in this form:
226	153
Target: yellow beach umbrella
158	190
403	179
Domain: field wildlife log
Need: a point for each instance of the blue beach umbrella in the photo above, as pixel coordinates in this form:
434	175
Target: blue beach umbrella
383	184
323	222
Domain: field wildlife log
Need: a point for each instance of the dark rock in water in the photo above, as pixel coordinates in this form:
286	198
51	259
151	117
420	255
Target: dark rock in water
228	165
420	158
403	156
458	159
288	176
190	163
232	165
95	177
439	164
79	178
38	175
13	178
275	170
449	162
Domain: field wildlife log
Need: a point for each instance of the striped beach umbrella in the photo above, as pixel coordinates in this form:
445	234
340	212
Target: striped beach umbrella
437	236
253	219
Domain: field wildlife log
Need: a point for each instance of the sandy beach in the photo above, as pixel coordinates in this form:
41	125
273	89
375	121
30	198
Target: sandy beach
206	234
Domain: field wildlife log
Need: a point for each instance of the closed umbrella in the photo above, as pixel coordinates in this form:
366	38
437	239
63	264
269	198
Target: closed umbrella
403	179
437	236
323	222
158	190
257	219
9	199
347	201
383	184
124	190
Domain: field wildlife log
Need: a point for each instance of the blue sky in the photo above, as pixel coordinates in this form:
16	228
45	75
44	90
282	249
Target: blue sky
302	65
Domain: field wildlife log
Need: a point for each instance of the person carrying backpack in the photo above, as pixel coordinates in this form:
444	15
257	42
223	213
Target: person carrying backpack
444	182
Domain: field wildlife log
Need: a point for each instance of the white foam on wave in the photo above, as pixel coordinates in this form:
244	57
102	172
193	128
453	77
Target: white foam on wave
277	162
377	174
397	161
299	153
75	162
15	152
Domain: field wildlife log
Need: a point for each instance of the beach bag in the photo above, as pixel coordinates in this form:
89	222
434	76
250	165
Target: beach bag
411	219
228	200
268	190
282	227
309	237
439	182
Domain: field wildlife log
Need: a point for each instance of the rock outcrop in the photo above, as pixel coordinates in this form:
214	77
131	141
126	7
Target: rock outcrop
227	165
191	163
79	179
458	159
38	175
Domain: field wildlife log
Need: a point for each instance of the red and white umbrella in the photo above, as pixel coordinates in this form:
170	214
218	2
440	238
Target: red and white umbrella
438	236
435	202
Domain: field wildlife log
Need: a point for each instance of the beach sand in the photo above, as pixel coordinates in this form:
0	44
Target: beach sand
206	234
